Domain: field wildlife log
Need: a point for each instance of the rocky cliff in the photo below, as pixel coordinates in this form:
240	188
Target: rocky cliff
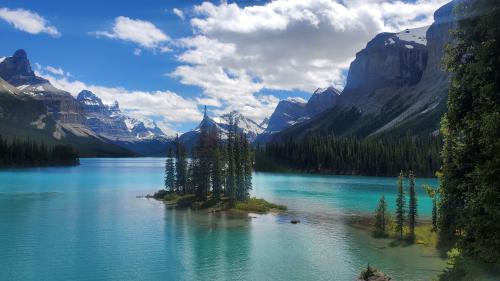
396	85
61	106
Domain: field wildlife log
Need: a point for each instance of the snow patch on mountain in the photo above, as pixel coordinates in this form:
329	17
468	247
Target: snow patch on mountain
417	35
296	100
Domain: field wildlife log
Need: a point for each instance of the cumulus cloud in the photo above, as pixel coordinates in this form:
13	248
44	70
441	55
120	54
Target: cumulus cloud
55	70
178	13
143	33
28	21
235	52
167	107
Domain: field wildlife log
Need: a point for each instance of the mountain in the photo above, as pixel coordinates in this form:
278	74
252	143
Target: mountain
61	105
86	116
245	125
22	116
249	127
108	120
321	100
293	111
394	86
144	138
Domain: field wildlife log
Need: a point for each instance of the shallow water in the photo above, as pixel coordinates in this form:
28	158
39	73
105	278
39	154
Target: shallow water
85	223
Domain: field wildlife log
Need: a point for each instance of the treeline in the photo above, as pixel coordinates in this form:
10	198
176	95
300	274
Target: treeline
216	169
374	156
28	153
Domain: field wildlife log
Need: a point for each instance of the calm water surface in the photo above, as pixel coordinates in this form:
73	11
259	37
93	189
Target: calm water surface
85	223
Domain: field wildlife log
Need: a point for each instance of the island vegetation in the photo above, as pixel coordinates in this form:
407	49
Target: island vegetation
217	177
28	153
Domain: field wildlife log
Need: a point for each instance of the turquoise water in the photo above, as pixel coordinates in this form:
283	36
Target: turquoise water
86	223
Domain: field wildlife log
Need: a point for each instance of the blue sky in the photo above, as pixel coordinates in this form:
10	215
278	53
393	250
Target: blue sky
163	60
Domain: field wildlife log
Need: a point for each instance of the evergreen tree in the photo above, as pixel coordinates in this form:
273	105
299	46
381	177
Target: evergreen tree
180	166
433	194
412	205
239	167
27	153
371	156
202	158
231	166
400	207
381	218
217	171
470	193
248	167
170	171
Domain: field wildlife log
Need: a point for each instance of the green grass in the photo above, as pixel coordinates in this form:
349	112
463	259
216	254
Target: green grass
426	236
257	205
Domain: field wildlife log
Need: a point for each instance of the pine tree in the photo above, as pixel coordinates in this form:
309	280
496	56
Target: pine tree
231	167
400	207
381	218
180	166
412	205
170	171
239	167
248	167
217	171
470	193
433	194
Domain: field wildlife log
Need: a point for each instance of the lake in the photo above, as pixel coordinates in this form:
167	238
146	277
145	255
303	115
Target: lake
86	223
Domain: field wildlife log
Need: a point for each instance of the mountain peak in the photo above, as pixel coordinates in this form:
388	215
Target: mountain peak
21	53
89	98
17	70
327	90
295	100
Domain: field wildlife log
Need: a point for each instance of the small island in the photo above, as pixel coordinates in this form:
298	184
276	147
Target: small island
217	177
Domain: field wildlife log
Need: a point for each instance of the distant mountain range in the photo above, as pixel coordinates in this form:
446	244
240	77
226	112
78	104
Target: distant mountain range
85	122
395	86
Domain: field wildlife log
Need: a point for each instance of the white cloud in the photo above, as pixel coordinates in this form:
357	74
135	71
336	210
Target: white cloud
178	13
56	71
137	51
141	32
235	52
28	21
166	106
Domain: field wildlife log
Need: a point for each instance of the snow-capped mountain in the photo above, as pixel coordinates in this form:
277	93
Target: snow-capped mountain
246	125
292	111
108	120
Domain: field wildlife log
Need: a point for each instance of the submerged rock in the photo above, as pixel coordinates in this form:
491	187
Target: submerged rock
295	221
